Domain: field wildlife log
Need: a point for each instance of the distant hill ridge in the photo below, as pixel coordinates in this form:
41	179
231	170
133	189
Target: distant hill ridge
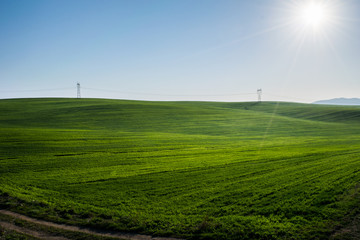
340	101
209	118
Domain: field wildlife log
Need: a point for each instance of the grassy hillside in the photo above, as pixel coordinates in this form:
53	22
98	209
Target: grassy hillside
189	169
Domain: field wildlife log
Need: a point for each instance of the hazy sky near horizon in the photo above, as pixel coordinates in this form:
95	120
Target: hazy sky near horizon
207	50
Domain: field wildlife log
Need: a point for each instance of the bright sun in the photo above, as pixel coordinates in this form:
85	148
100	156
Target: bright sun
314	14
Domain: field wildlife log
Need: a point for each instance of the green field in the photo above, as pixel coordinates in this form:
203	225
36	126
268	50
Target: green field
196	170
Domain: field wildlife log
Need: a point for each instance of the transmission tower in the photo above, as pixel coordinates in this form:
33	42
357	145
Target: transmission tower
259	92
78	90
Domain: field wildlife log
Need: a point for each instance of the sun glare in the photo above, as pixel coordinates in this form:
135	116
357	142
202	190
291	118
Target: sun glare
314	14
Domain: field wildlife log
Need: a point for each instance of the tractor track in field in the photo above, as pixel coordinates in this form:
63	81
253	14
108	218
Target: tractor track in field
41	235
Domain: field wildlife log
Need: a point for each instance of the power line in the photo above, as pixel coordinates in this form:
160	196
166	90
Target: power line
288	97
37	90
78	88
169	95
259	93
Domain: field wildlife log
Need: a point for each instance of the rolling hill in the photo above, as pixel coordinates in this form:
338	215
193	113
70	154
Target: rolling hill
196	170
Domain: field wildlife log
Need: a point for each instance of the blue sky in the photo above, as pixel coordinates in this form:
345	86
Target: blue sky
176	50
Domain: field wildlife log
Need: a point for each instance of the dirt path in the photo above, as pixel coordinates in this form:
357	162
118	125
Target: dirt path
119	235
32	233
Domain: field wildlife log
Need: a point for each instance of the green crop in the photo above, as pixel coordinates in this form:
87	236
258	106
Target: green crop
203	170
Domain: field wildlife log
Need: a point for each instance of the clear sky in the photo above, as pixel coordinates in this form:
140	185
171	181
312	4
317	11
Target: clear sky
211	50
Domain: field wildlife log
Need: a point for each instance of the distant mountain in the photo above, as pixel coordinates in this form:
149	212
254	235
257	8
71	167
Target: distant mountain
340	101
